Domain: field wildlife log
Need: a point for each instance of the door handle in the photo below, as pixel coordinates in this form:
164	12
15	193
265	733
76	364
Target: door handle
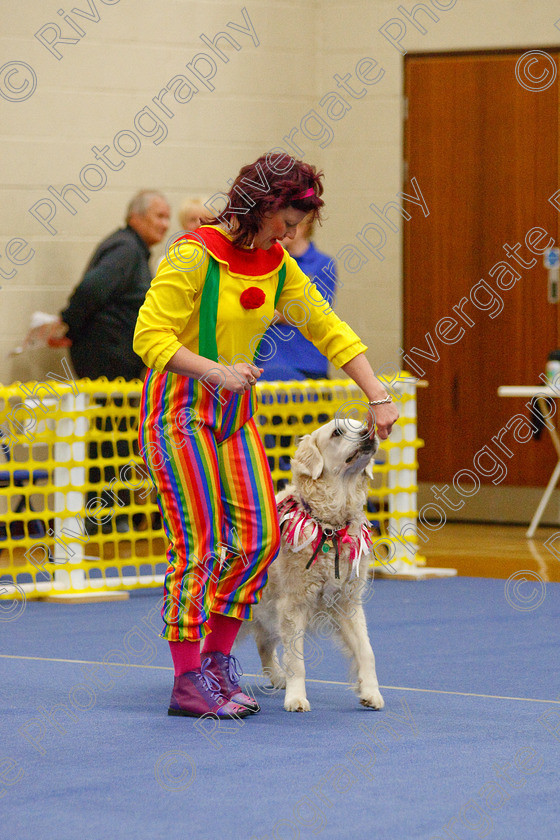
455	393
551	261
553	285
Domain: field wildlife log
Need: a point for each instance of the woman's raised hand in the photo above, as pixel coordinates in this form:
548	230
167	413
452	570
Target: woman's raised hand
382	419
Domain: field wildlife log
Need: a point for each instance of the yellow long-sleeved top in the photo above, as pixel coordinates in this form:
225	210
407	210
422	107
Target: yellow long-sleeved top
171	314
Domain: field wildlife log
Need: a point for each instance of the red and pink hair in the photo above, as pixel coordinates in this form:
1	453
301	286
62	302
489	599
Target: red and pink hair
272	182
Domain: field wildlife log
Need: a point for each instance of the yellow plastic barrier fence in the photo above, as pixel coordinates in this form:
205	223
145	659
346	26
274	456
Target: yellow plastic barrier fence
78	514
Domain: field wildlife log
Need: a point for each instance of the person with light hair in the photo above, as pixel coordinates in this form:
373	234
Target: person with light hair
193	213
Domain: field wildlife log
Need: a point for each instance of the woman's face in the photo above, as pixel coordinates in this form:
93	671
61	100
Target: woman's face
277	226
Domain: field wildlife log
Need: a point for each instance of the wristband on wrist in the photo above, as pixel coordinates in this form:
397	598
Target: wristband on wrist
381	402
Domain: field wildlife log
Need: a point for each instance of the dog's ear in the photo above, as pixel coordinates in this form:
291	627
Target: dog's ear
307	459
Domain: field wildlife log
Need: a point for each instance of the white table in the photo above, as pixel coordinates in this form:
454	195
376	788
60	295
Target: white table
541	392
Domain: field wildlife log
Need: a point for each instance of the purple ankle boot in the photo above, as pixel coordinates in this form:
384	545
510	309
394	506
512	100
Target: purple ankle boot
198	693
227	671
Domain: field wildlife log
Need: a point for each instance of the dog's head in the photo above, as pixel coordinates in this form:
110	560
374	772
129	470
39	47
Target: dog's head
341	448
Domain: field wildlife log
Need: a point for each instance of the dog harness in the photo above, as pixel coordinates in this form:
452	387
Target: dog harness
294	519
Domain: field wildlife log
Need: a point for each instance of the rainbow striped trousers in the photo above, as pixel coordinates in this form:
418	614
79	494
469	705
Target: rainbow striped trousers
215	493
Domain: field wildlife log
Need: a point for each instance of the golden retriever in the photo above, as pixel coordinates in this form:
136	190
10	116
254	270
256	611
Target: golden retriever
318	578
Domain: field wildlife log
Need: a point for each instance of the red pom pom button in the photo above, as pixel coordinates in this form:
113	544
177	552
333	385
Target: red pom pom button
252	298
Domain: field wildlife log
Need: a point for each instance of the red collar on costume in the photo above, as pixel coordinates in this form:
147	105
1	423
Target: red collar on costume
294	519
240	261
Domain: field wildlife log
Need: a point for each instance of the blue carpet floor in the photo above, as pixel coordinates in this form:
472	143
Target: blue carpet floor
468	745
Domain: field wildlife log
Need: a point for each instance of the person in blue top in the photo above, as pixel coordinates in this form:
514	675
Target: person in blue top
295	356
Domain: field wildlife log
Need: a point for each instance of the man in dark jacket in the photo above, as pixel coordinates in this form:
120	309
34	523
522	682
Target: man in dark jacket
99	320
102	311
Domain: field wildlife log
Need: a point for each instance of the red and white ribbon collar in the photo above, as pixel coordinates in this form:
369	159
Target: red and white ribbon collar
294	519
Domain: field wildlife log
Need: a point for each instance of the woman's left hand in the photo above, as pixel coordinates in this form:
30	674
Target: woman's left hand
381	418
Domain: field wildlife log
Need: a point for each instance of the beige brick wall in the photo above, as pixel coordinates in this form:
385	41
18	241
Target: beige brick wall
125	58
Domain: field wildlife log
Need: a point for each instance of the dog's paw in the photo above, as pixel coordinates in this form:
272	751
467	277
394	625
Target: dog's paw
297	704
277	679
372	700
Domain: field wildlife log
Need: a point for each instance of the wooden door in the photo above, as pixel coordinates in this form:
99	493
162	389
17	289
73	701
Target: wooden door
484	150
